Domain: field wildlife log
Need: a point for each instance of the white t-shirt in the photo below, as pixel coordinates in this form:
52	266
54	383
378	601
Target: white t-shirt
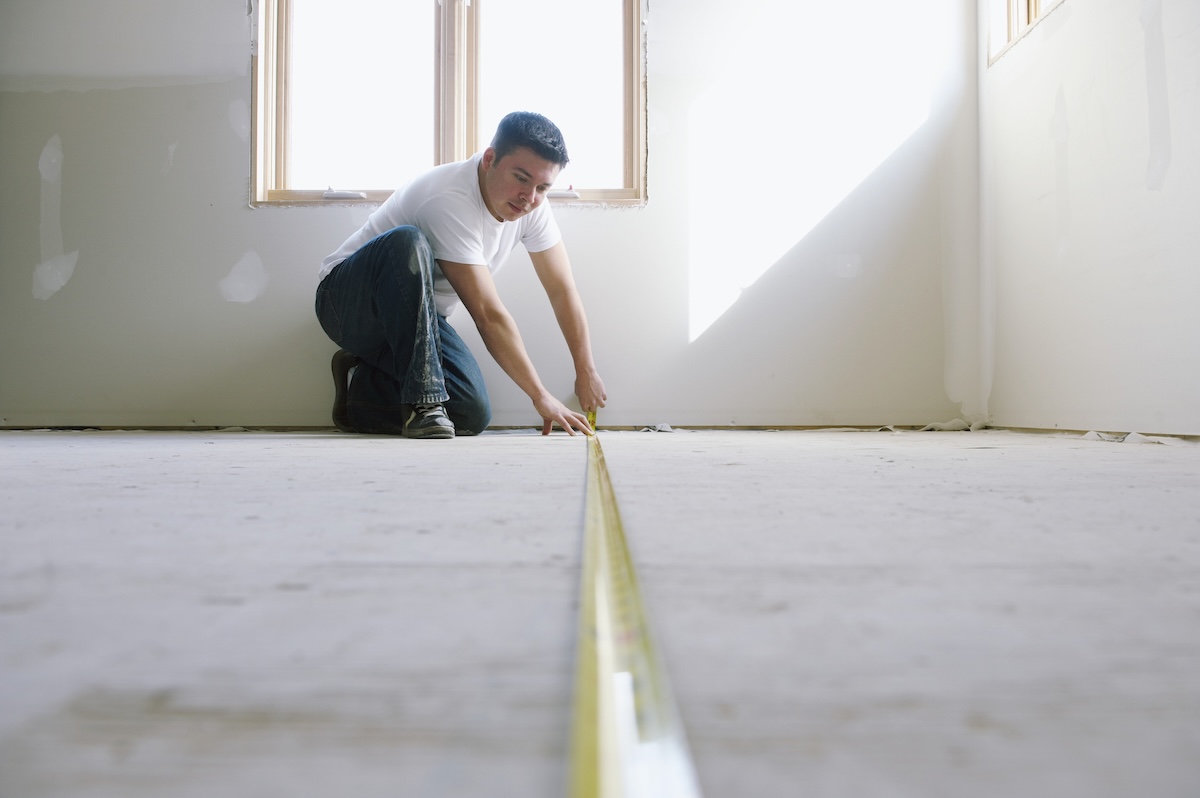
447	206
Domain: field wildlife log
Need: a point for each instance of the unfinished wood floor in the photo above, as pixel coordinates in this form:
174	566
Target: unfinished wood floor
859	614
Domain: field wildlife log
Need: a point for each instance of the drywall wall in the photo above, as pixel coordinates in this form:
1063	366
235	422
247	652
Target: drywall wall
57	44
808	255
1091	195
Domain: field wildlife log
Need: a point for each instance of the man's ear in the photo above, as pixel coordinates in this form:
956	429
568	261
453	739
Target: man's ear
489	158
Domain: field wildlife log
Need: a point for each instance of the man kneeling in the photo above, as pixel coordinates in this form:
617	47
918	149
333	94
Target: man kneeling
385	294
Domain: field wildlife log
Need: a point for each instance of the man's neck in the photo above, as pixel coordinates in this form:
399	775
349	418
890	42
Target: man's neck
483	194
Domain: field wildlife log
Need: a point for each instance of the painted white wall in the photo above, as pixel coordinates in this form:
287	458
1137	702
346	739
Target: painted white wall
813	194
1091	222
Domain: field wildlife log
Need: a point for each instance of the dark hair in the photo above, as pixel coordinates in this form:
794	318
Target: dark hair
527	129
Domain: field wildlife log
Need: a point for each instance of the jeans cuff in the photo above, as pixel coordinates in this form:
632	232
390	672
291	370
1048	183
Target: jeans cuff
433	399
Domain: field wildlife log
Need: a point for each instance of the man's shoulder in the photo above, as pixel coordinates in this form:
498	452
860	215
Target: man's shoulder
444	189
448	179
448	208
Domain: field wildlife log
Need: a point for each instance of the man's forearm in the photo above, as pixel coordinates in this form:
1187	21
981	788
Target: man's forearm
568	309
554	270
475	288
573	322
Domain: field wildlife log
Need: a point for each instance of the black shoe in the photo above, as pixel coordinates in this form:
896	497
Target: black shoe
428	421
342	362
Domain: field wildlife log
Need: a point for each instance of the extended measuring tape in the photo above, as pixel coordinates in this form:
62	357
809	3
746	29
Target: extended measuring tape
627	738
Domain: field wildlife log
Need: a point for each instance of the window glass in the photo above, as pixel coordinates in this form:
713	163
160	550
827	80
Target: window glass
563	59
997	26
361	93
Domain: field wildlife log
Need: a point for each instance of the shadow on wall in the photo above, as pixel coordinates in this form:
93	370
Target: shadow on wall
826	233
837	330
815	99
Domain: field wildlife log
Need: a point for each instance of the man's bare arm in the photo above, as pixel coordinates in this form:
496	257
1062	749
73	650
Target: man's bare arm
477	290
554	271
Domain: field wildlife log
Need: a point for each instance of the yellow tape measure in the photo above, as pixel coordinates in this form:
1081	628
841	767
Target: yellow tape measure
627	738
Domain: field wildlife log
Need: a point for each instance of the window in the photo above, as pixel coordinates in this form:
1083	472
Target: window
354	97
1009	20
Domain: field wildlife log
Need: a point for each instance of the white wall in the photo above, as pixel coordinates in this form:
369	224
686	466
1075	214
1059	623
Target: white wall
815	169
1091	177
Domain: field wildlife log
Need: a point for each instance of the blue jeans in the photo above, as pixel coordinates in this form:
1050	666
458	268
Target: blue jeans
378	304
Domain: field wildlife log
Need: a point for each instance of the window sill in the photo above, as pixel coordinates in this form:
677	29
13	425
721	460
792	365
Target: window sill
602	198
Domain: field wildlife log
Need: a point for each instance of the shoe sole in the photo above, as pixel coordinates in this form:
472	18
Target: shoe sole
432	433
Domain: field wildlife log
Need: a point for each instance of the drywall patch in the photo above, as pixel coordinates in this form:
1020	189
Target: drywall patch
239	118
51	275
56	267
1059	134
170	160
1157	105
246	281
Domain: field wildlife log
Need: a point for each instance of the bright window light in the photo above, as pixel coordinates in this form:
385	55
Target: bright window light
362	93
813	100
560	58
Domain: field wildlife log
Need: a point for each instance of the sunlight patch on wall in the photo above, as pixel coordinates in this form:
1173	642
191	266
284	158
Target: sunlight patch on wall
811	100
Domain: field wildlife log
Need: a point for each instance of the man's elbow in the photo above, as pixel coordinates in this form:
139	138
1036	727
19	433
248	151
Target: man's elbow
490	320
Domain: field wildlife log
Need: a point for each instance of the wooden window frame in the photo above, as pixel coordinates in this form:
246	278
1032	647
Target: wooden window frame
456	85
1023	15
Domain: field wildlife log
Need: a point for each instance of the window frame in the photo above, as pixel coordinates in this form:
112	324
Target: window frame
1023	16
456	86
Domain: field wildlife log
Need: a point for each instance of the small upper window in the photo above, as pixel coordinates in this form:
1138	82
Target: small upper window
1009	20
354	98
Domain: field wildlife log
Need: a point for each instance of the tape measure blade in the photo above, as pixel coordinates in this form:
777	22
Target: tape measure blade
628	739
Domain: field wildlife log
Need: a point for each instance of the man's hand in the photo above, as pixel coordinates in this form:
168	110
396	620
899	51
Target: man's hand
554	412
590	390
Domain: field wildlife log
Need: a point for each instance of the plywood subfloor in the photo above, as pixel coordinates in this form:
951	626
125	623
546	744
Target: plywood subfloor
843	613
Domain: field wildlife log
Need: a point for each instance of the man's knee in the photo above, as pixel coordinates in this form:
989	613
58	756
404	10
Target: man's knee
476	421
471	415
404	235
398	252
409	246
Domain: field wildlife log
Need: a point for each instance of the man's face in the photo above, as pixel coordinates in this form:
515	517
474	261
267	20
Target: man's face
517	183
